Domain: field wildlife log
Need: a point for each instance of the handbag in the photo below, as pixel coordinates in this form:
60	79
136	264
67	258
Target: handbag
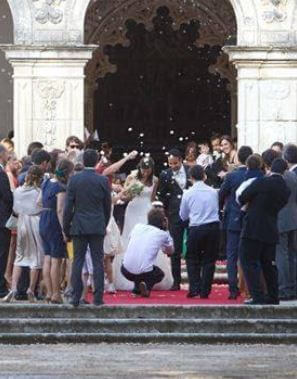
12	222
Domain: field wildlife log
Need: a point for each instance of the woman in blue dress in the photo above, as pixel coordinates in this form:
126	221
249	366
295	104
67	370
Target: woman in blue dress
51	221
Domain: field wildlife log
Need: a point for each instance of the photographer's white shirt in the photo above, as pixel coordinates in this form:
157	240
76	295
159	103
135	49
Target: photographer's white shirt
144	245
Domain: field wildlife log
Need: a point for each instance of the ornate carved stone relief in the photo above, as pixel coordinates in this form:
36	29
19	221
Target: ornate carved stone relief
105	25
274	10
48	11
49	91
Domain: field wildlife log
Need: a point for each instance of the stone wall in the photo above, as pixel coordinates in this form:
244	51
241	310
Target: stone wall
6	85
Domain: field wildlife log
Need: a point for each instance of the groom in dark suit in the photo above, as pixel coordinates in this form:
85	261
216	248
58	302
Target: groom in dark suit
86	215
173	182
5	212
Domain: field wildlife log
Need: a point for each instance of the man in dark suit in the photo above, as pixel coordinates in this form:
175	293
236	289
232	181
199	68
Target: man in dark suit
290	155
173	182
265	198
212	171
87	213
232	216
6	202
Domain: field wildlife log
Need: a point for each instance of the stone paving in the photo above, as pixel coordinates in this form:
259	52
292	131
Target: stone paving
148	361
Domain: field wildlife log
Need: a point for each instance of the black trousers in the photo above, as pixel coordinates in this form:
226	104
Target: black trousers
177	230
5	235
150	278
256	256
202	252
80	244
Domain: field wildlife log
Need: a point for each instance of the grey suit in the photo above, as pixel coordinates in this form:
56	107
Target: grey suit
86	215
286	251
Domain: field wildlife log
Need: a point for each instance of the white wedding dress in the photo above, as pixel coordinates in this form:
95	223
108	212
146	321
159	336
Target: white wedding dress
136	213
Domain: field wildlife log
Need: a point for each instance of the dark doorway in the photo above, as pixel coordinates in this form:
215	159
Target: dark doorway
162	94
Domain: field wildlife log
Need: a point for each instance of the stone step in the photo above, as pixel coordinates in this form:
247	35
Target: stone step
148	326
199	338
44	311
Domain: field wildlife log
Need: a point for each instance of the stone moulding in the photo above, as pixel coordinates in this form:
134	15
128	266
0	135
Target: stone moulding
49	11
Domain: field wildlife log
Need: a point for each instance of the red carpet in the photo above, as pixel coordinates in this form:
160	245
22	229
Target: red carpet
219	296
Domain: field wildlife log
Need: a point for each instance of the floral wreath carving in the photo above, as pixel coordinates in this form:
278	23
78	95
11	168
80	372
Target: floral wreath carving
275	10
49	11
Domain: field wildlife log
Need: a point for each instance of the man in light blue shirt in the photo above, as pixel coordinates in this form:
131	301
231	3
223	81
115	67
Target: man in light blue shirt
200	205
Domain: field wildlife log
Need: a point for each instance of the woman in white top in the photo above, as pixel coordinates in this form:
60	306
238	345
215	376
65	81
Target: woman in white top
29	252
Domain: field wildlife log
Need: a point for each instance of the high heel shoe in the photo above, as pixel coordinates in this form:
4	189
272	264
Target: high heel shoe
10	297
56	300
31	297
47	299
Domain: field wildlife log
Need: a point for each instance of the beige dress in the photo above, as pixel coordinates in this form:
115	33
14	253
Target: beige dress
29	251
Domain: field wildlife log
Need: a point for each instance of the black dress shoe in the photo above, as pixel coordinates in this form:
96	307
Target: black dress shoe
84	302
253	302
98	303
74	303
287	298
204	296
175	287
192	294
269	301
233	296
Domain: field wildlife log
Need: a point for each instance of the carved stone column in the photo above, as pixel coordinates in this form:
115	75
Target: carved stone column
48	93
267	95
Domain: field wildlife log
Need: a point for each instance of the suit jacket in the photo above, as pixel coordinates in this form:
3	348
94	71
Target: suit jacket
212	172
6	198
170	193
227	198
295	171
265	198
88	204
287	217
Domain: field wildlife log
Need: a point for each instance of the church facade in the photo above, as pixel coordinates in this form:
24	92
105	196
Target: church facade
55	52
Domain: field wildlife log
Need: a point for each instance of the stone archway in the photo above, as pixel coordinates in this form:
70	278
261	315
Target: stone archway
105	25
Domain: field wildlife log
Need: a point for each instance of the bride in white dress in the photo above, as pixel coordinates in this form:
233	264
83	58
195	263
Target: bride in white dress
136	212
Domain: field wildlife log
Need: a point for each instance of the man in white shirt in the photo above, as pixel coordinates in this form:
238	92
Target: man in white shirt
145	243
200	206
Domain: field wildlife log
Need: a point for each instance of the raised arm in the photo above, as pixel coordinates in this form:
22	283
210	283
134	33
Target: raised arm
112	169
168	246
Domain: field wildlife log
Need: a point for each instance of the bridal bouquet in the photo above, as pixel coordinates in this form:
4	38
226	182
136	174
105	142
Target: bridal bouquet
133	187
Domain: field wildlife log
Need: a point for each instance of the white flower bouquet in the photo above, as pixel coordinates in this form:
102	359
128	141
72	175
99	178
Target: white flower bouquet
133	187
